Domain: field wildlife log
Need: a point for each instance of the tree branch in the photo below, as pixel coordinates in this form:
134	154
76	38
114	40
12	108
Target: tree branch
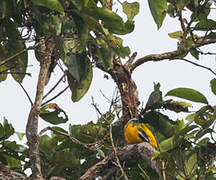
17	54
32	124
52	89
204	67
168	55
26	93
90	146
57	95
135	152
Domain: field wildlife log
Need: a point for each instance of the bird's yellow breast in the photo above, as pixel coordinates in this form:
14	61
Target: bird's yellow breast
132	134
133	131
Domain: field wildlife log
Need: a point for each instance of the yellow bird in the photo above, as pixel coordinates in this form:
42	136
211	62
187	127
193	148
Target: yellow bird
136	132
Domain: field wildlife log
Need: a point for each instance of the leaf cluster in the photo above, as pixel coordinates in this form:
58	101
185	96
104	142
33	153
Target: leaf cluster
185	146
13	155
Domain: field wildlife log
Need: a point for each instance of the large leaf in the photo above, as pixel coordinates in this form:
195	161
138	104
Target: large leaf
78	66
167	144
116	44
130	9
111	20
52	113
105	53
158	10
213	85
13	52
189	94
79	75
51	4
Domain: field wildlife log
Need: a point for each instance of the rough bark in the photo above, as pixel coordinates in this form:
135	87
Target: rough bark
128	91
135	152
32	124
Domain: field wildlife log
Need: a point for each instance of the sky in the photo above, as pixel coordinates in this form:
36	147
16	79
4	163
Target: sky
145	40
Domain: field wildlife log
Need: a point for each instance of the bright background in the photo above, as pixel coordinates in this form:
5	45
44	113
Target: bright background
146	39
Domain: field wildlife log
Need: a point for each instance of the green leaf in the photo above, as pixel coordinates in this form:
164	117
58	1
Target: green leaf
77	3
205	25
195	53
17	65
100	154
20	135
189	94
167	144
158	10
47	145
53	114
116	44
12	162
111	20
176	35
180	4
202	132
105	53
213	85
211	35
79	75
171	10
177	106
8	129
51	4
3	73
191	163
1	131
130	9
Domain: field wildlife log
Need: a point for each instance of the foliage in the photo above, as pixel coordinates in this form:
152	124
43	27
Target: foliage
186	146
12	154
88	34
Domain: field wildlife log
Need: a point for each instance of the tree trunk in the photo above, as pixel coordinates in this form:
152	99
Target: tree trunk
128	91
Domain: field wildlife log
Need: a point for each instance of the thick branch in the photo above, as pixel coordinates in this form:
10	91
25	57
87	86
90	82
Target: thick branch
135	152
128	91
32	125
168	55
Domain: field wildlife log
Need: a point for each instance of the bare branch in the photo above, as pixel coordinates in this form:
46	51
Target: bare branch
204	67
168	55
52	89
90	146
57	95
26	93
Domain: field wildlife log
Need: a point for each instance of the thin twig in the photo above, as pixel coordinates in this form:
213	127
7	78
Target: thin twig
204	67
115	151
57	95
7	72
90	146
52	89
17	54
26	93
96	108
